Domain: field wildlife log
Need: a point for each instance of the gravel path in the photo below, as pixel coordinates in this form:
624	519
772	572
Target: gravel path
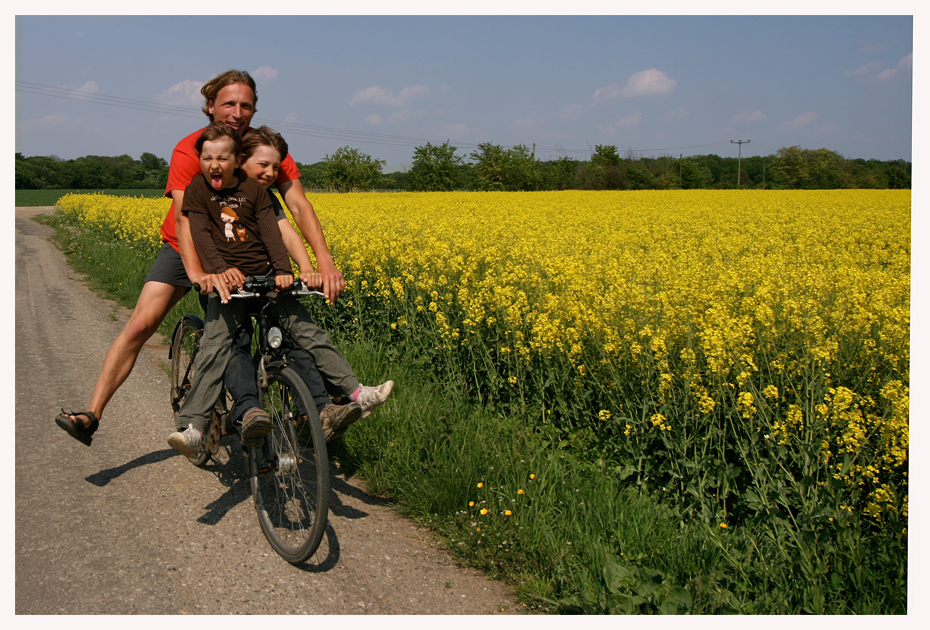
127	526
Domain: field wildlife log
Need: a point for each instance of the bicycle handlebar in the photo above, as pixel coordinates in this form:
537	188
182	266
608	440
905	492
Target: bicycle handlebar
257	286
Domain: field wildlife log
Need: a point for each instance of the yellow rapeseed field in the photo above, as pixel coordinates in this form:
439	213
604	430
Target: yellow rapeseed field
663	313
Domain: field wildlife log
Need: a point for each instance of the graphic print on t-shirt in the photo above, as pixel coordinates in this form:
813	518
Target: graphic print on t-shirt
229	217
233	229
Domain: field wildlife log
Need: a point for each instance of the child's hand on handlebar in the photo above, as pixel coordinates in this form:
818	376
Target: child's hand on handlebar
283	281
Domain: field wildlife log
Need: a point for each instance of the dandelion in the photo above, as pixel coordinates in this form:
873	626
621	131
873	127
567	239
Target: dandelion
480	484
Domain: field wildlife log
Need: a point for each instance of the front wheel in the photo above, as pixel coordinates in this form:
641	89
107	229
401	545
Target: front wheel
290	471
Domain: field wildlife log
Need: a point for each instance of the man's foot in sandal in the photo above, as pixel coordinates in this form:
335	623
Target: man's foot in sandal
78	430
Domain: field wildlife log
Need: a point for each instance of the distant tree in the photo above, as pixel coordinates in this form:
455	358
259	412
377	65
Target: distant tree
435	167
562	173
312	176
154	170
490	167
523	171
693	175
349	169
605	167
795	167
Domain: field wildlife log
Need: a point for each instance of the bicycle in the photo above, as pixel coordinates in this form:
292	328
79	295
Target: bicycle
289	471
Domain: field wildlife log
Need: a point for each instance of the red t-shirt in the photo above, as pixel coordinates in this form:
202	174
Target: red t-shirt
185	166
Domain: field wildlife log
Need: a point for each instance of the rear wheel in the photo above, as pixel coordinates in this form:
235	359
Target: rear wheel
290	471
182	354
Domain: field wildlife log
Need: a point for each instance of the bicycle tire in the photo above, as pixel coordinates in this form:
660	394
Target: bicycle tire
184	345
289	473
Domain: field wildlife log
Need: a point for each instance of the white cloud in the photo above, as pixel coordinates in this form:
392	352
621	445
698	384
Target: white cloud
650	82
863	71
871	70
886	75
626	122
182	94
265	73
459	131
527	123
373	119
382	96
85	90
572	112
52	121
407	114
681	112
750	117
904	66
801	120
632	120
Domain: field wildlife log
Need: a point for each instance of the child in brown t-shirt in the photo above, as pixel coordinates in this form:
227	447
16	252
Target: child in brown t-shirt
235	233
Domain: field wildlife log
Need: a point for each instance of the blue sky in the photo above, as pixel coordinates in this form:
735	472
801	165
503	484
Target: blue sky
650	85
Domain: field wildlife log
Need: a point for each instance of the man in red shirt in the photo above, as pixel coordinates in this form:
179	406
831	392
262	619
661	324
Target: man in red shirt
229	98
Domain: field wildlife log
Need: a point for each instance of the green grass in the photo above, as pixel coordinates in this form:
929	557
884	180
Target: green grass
578	538
27	198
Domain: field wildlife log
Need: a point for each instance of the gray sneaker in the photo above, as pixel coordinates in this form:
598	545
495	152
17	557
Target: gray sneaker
255	426
187	443
370	397
337	418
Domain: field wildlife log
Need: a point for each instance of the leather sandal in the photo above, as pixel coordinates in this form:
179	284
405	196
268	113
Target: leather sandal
77	430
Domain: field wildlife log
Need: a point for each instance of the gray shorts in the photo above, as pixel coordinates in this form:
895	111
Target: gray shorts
168	268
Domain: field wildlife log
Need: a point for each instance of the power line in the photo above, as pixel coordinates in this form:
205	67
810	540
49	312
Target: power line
290	128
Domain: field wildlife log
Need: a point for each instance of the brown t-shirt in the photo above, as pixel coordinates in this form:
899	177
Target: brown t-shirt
235	227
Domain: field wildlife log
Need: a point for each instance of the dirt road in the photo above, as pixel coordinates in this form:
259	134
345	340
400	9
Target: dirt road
127	526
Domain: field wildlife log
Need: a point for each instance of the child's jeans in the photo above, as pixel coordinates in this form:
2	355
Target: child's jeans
222	322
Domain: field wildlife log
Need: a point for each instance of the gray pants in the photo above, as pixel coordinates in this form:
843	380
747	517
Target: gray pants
216	346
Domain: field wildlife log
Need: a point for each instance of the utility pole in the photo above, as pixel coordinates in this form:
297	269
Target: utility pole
739	167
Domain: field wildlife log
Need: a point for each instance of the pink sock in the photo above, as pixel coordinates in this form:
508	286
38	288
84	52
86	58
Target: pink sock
355	394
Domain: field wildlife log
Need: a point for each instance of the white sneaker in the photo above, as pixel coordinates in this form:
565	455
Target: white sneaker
186	443
370	397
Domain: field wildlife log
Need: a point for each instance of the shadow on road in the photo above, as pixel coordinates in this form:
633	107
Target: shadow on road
104	477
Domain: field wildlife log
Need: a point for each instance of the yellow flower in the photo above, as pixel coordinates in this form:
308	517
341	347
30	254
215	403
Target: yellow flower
532	476
484	511
471	504
507	512
520	491
723	525
480	485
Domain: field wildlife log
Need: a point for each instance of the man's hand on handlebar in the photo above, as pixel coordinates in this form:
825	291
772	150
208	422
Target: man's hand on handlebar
312	279
333	282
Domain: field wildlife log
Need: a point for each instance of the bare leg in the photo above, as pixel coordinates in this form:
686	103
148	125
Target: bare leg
155	300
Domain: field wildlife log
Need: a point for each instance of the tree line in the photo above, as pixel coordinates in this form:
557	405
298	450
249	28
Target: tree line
439	167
